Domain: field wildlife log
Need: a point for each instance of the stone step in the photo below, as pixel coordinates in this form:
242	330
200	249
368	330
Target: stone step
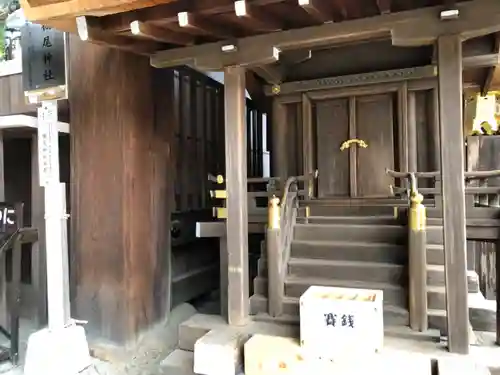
393	315
392	234
360	220
393	295
351	232
295	287
362	251
436	277
348	270
346	210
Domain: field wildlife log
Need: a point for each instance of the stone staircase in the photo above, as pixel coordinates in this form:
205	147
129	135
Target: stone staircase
357	251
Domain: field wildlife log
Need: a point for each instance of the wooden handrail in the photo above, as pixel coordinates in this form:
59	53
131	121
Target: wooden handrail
279	239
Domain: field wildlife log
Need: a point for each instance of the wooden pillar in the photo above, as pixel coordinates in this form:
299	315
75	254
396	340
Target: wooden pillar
307	137
237	202
120	197
38	260
403	126
453	188
412	133
279	167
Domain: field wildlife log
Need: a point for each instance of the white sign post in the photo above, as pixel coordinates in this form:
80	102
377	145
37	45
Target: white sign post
62	347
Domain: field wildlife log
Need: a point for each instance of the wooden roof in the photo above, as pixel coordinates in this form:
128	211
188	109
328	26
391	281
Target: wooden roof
184	22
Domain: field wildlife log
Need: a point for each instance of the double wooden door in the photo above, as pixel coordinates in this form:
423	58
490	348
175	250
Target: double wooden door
355	143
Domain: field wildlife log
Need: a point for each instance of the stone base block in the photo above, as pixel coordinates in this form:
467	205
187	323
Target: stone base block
220	352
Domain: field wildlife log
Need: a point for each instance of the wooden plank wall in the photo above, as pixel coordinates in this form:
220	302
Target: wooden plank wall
483	153
198	147
12	96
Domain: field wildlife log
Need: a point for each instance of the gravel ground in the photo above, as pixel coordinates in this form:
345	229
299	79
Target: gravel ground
143	358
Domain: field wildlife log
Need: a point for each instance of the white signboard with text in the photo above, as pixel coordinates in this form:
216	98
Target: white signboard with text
341	323
48	143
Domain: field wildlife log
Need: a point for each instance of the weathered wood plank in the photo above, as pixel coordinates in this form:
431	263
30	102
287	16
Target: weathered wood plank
374	124
120	254
333	164
236	185
453	188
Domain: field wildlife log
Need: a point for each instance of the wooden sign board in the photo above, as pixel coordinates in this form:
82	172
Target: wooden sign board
44	63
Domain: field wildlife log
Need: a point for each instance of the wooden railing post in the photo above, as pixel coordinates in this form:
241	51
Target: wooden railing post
417	262
274	261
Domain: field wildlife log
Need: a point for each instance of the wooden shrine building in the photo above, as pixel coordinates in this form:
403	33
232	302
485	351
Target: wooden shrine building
371	94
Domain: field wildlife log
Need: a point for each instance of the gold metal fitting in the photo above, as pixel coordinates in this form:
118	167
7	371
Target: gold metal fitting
274	213
219	212
218	194
276	89
220	179
417	217
346	144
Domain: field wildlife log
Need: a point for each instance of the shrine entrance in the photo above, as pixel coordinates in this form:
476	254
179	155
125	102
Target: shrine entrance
355	137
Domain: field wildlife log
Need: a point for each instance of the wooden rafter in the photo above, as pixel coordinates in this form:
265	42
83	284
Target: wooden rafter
493	70
89	30
416	27
196	23
168	13
258	18
159	34
317	9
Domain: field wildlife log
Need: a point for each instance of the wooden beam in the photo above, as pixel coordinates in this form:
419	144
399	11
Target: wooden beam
38	3
295	57
453	190
384	6
317	9
478	18
271	74
258	18
493	69
227	55
353	80
159	34
481	61
89	30
75	8
196	23
237	202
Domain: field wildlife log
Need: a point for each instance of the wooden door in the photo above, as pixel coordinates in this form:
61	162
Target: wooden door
355	171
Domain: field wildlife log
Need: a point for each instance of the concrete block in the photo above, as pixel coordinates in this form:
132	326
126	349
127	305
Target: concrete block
271	355
220	352
196	327
460	365
179	362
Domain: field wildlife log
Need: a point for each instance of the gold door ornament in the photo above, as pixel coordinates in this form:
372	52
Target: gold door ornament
359	142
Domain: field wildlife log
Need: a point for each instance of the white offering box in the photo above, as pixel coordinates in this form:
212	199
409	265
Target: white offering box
341	323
